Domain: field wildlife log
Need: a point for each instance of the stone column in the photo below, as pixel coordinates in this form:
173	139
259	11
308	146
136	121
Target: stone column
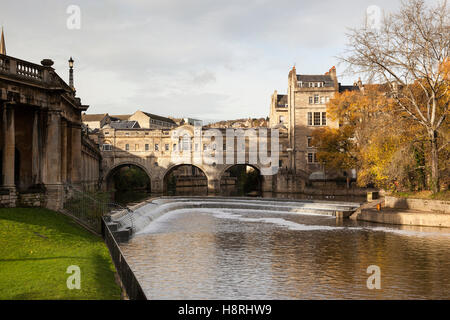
63	150
52	176
53	172
9	143
8	196
76	153
35	160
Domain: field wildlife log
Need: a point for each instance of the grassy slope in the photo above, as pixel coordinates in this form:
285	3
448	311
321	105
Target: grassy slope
443	195
37	246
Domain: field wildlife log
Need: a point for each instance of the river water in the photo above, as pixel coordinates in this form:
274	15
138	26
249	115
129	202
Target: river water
207	253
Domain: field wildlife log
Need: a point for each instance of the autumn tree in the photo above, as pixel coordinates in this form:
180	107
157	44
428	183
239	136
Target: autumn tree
409	52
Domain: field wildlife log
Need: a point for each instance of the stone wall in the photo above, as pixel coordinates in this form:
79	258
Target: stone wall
418	204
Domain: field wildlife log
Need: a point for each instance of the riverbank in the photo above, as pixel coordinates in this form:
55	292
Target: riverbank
406	211
36	248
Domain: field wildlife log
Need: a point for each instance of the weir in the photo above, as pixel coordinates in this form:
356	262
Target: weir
125	223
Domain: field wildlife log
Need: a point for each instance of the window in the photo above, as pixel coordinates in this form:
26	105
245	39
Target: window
127	147
107	147
280	163
316	99
281	119
322	100
327	99
309	118
324	118
312	157
309	144
186	142
166	147
317	118
156	147
136	147
174	147
204	147
147	147
310	100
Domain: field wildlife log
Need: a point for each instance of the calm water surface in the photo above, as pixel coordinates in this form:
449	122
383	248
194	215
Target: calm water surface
244	254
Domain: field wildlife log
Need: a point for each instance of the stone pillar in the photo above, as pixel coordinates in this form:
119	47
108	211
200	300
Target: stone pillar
52	176
76	153
9	143
63	151
213	186
35	162
8	194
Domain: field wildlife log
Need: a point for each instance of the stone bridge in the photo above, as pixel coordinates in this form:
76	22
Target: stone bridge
158	152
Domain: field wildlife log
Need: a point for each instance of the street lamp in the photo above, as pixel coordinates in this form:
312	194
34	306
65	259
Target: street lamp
71	74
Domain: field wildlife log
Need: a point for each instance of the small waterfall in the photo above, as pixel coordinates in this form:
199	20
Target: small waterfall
146	213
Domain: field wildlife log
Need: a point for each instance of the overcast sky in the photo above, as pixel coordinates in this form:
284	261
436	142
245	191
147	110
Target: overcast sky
211	60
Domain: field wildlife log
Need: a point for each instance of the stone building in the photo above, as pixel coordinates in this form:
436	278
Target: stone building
40	135
279	111
95	121
152	121
302	110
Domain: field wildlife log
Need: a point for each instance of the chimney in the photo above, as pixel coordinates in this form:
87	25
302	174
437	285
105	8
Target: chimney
332	73
360	84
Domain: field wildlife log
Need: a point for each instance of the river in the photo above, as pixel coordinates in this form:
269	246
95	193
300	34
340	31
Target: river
214	253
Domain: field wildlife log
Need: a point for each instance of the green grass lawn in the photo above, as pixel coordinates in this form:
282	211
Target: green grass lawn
36	247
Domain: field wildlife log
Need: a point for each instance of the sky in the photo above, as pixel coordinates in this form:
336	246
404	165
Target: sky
210	60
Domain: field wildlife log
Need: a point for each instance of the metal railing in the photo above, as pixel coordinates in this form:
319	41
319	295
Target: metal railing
129	282
90	207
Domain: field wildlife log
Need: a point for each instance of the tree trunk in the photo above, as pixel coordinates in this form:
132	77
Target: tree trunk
434	161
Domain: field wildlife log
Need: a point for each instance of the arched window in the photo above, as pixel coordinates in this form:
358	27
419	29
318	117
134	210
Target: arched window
186	142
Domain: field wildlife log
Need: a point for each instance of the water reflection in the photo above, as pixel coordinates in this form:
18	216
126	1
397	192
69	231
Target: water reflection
229	254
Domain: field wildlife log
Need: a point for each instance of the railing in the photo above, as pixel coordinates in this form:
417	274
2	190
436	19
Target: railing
21	68
127	277
28	70
89	208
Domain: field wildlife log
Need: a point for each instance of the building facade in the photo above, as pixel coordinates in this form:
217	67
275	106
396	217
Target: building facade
302	110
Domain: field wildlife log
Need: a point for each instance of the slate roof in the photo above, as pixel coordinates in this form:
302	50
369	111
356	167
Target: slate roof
156	117
326	79
124	124
348	88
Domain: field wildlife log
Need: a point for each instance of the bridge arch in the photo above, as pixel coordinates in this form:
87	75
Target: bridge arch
107	178
190	180
229	184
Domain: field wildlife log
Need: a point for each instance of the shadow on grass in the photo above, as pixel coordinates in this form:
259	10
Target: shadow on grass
47	219
39	259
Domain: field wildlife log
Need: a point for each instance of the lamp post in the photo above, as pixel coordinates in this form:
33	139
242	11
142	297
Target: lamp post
71	73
